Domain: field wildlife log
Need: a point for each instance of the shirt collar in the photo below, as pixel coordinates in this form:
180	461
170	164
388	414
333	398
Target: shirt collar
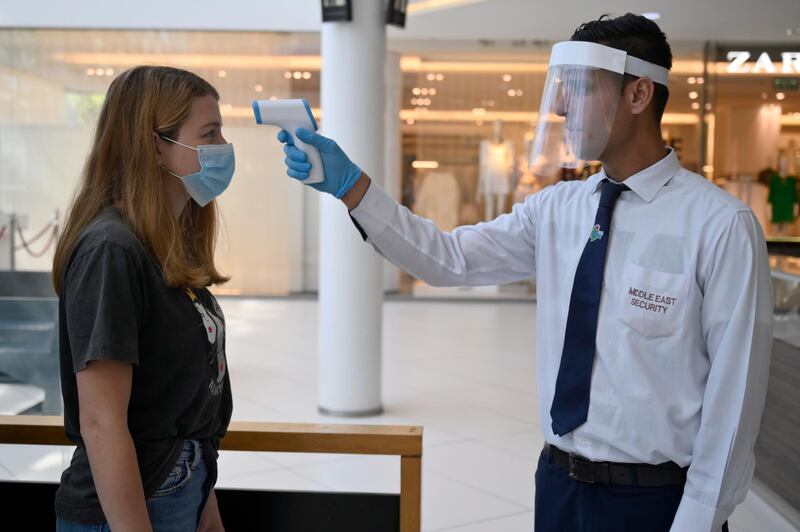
649	181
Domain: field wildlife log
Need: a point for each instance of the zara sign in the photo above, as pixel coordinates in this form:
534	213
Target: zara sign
743	62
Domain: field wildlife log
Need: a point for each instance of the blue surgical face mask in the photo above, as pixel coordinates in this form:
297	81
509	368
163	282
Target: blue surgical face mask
217	163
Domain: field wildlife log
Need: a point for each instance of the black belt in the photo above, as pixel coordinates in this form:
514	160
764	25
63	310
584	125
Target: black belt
644	475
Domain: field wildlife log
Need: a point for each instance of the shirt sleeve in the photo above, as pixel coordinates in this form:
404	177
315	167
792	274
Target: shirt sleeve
737	325
500	251
103	304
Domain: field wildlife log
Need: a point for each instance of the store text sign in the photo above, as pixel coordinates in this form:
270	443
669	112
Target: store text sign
741	63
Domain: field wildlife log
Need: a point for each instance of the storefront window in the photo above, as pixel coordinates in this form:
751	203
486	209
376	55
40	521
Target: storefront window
468	124
52	86
755	137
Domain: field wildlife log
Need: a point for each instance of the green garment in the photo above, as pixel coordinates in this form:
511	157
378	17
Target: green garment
782	197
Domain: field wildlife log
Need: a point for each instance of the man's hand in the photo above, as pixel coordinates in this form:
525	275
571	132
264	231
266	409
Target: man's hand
340	172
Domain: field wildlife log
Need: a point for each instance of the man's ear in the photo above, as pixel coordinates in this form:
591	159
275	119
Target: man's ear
640	94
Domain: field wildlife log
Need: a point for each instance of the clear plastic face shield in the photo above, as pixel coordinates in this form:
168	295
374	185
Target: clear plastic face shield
581	95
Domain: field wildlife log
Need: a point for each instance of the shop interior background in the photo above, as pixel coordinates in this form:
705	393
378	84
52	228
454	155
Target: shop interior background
733	116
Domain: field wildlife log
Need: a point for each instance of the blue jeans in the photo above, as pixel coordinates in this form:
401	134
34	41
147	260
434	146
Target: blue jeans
175	506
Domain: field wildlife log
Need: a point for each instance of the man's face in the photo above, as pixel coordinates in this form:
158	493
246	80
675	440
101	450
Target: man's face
588	99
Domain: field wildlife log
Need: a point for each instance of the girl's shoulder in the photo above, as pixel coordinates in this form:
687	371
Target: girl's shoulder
110	227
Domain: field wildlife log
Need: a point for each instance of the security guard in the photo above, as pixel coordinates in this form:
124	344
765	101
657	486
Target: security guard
654	295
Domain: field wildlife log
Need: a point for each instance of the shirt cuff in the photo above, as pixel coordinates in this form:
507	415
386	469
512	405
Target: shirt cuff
374	213
694	516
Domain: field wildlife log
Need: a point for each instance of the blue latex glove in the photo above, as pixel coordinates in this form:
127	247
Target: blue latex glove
340	172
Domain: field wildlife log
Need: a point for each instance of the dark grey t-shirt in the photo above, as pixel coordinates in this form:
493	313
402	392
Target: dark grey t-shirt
115	305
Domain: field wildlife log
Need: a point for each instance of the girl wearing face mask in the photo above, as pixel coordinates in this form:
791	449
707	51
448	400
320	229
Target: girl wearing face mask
144	377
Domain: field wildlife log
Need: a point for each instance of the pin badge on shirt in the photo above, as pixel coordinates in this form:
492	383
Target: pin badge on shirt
597	234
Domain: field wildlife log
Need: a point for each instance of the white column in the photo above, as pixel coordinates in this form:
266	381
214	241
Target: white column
351	295
392	177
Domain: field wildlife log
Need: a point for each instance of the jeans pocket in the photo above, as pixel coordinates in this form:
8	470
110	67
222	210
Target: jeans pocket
176	479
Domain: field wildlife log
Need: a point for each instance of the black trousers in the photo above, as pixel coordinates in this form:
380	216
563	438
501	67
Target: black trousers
564	504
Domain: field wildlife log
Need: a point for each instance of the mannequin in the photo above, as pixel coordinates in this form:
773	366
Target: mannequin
783	197
753	194
438	199
496	169
529	183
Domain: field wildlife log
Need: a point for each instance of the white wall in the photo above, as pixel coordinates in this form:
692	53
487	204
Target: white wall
264	15
260	235
723	20
260	211
39	169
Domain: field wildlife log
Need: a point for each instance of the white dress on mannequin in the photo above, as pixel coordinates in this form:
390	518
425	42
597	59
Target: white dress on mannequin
438	199
753	194
496	169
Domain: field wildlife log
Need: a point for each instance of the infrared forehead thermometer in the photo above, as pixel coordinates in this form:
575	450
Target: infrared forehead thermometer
291	115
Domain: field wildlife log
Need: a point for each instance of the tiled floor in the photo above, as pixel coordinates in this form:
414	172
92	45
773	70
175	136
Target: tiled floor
474	392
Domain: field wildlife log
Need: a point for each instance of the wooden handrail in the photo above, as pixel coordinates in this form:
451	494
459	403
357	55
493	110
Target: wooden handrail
252	436
33	430
403	441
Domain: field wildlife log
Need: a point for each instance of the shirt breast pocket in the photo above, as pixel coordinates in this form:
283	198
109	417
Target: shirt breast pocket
653	303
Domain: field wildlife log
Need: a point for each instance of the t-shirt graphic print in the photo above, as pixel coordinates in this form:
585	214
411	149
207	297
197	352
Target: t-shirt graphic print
214	323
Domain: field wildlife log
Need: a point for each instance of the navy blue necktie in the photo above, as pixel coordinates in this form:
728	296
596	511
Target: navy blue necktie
571	400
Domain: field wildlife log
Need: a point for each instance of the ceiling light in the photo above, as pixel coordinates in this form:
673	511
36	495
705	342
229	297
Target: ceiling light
507	77
780	96
410	122
297	75
652	15
424	92
259	88
695	106
432	92
519	92
90	72
511	92
439	77
691	80
222	73
693	95
415	91
700	81
306	75
287	75
427	165
431	77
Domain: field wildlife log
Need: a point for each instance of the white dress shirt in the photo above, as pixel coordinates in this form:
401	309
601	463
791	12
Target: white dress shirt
684	330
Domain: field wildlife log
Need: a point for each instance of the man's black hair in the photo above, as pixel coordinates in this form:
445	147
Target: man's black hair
639	37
